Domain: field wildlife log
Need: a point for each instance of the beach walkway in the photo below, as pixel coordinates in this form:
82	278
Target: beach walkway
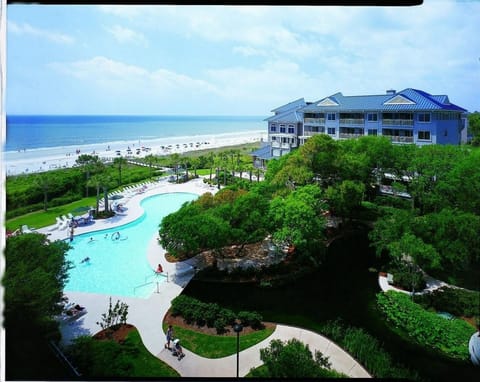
147	314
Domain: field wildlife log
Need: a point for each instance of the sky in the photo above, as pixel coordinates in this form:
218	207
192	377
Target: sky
233	60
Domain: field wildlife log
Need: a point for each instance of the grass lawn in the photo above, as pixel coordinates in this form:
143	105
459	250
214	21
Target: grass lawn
217	346
145	363
39	219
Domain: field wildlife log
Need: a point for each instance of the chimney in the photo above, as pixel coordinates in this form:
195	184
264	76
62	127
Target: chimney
391	91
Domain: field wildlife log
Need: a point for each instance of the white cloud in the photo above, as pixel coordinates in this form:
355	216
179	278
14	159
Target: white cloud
100	68
126	35
27	29
118	79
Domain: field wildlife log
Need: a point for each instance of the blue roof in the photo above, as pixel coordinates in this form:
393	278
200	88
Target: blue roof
288	116
414	100
290	106
263	152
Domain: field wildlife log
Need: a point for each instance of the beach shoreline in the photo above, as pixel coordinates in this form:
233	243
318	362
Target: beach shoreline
50	158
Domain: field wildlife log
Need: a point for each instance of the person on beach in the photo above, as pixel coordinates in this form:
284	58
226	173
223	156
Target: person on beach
71	233
159	269
169	337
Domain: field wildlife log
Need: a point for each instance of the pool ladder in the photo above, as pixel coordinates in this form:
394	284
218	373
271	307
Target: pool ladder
150	282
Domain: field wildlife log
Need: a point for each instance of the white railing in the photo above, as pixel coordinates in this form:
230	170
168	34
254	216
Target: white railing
314	120
348	135
398	122
352	121
397	138
312	133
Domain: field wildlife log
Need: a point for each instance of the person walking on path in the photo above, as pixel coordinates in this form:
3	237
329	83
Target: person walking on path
169	337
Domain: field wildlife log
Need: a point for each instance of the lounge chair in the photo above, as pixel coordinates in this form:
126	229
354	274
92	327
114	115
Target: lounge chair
71	314
70	216
65	223
57	225
26	229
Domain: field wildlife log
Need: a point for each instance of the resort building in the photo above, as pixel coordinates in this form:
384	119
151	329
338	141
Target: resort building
410	116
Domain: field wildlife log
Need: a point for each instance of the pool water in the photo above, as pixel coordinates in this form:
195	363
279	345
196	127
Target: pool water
119	266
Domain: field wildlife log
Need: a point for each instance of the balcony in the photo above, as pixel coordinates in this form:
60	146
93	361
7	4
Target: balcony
318	121
352	121
397	122
312	133
399	139
279	145
350	135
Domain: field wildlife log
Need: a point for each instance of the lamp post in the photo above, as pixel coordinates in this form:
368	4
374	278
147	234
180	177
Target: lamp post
237	329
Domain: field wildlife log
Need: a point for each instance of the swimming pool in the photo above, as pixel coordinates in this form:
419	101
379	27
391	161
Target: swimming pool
120	267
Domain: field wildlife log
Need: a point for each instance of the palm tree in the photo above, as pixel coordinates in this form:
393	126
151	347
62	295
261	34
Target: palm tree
195	162
185	162
211	163
44	182
88	163
174	160
250	167
119	162
150	159
105	182
96	182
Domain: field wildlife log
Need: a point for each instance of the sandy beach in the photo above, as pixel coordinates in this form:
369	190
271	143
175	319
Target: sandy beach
50	158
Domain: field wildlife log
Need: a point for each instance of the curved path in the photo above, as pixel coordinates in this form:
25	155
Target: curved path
147	314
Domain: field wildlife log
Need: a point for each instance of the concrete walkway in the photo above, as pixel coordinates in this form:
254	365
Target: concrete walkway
147	314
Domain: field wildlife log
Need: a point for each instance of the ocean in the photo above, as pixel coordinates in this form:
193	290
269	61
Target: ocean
27	132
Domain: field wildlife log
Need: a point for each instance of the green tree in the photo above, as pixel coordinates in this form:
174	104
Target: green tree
44	182
36	272
119	163
389	228
454	234
33	281
102	359
87	163
474	125
345	197
293	359
297	220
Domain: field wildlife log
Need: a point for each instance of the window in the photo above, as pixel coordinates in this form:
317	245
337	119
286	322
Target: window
273	127
424	117
282	128
372	117
291	130
424	135
372	131
331	130
274	138
331	116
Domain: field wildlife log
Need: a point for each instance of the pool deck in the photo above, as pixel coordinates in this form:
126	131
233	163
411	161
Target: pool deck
147	314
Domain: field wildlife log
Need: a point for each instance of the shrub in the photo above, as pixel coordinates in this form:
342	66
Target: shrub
219	325
211	314
367	350
449	337
459	302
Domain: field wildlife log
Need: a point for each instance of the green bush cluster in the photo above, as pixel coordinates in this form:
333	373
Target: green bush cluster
457	301
428	329
407	278
212	314
367	350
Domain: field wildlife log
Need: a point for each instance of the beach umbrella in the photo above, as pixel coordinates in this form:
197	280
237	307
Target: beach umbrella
116	196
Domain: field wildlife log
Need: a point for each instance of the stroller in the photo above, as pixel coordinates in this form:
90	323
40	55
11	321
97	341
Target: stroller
177	350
